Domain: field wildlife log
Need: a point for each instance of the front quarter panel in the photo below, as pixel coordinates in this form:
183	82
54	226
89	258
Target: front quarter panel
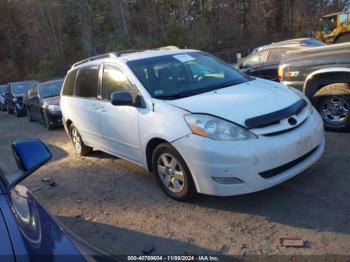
162	121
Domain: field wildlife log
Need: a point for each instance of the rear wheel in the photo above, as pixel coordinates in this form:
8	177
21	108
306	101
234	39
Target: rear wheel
78	143
333	103
172	173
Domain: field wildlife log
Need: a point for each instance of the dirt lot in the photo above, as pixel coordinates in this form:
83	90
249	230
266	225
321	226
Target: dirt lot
117	206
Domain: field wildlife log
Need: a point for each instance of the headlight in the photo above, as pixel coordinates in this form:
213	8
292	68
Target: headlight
54	108
216	128
302	96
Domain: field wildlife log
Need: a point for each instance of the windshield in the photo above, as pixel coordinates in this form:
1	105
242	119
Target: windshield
184	74
22	87
328	24
50	90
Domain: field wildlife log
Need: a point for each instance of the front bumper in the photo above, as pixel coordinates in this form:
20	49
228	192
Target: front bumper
246	160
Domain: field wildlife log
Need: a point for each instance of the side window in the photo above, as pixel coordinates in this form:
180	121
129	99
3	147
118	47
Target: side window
69	83
274	56
87	82
255	59
343	19
113	80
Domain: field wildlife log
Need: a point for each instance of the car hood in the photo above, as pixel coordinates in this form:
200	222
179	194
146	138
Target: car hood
240	102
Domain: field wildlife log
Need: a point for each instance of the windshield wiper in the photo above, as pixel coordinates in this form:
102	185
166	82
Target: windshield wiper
171	96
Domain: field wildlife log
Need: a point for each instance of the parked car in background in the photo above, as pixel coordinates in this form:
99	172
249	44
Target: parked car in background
42	103
194	121
264	61
28	232
323	74
14	94
296	42
2	97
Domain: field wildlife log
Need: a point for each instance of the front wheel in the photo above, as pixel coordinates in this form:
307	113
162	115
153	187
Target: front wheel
46	121
333	103
18	114
78	143
172	173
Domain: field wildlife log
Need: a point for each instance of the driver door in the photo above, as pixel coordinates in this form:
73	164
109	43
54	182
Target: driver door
120	124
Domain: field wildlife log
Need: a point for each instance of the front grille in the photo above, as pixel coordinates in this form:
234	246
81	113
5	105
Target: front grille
285	130
277	170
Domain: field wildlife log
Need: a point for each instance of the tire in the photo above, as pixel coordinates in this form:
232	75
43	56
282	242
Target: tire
46	121
182	189
344	38
29	116
78	143
333	103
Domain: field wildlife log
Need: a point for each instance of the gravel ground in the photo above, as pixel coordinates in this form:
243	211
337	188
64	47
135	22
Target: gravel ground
117	206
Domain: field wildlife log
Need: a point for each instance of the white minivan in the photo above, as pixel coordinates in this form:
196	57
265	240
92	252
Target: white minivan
194	121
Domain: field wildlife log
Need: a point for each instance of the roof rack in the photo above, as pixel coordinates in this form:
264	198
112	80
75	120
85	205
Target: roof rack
101	56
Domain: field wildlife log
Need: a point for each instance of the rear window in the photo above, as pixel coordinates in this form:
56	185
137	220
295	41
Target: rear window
69	83
87	82
50	90
22	87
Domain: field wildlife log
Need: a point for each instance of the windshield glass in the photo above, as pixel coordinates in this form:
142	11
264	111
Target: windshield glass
50	90
184	74
328	24
21	88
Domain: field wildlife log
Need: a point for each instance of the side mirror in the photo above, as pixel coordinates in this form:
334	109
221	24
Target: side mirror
30	154
122	98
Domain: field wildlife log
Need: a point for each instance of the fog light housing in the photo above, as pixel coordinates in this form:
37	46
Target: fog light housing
227	180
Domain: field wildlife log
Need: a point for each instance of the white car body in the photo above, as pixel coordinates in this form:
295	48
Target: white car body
126	131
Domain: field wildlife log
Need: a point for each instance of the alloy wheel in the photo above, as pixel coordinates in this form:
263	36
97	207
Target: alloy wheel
76	139
170	172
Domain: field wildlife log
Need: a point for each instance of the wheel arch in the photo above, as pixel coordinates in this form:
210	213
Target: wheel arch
151	145
323	77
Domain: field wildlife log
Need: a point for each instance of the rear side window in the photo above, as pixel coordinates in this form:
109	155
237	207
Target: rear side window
87	82
69	83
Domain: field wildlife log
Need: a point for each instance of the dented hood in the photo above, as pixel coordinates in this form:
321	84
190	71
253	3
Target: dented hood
240	102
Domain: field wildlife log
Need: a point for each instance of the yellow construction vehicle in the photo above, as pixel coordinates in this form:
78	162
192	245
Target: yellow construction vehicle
335	28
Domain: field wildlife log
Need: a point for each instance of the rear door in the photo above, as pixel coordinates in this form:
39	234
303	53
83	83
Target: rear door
120	123
86	105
